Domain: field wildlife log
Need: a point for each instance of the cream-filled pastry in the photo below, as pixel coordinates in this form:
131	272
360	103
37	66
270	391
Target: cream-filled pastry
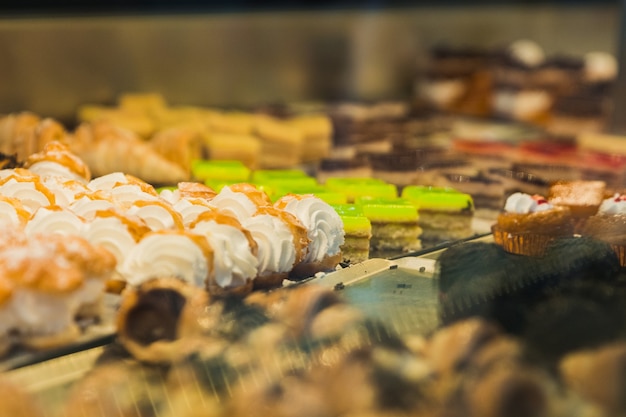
86	205
240	200
110	181
57	160
53	279
65	191
175	253
235	262
158	214
29	190
191	208
281	240
324	230
54	219
13	212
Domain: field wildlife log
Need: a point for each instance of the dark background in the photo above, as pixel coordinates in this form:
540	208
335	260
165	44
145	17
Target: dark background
64	7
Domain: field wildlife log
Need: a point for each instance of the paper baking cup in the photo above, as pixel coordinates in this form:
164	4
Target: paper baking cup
522	243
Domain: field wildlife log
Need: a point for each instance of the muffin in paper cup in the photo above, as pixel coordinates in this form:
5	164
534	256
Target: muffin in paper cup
529	223
528	244
609	225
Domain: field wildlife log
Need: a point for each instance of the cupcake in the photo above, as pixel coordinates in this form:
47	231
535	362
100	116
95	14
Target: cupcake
529	223
609	225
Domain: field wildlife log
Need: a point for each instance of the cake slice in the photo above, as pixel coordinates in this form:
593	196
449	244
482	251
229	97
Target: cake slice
358	232
395	226
445	214
220	171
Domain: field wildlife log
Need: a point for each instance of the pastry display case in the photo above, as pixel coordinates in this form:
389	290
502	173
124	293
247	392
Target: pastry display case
413	209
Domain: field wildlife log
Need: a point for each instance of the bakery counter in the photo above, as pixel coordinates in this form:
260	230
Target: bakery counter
455	329
399	294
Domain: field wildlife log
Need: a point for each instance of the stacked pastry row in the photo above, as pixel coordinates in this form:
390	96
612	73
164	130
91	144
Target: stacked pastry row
122	231
259	139
564	93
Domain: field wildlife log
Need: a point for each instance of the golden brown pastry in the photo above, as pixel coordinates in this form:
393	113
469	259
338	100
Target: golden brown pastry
25	133
57	159
107	148
159	320
179	145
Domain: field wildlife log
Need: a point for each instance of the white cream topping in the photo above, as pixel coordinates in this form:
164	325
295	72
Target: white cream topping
276	251
47	221
156	216
112	234
234	263
613	205
65	191
234	203
8	214
522	203
54	169
108	181
126	194
189	210
87	207
32	312
159	255
27	193
171	196
323	224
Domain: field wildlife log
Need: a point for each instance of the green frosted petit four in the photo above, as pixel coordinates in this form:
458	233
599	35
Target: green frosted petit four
220	171
355	188
438	198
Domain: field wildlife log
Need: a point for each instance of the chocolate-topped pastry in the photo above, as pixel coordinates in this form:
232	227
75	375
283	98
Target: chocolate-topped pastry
356	167
456	80
560	74
398	168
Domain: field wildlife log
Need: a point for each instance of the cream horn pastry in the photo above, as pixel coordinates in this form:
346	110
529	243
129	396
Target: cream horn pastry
240	200
116	179
57	160
29	190
13	212
158	214
86	205
54	279
55	219
235	262
107	148
324	230
26	133
189	200
65	191
159	320
176	253
119	234
281	241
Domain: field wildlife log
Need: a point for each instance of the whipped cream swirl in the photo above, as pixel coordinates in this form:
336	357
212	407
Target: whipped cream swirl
613	205
276	250
234	203
234	263
323	224
522	203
